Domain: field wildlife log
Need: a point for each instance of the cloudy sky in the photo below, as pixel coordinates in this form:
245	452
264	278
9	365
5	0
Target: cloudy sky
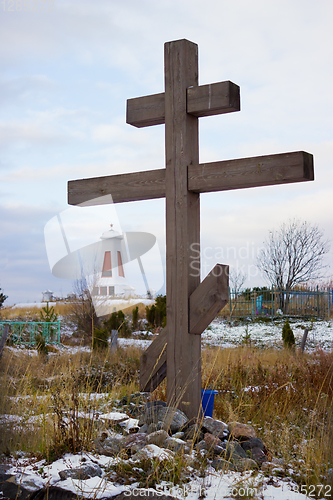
67	68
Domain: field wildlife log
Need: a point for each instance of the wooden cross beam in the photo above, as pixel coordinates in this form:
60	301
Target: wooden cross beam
191	305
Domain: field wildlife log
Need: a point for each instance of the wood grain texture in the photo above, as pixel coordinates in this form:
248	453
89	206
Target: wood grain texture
213	99
203	100
146	111
251	172
206	301
257	171
209	298
123	187
153	363
182	227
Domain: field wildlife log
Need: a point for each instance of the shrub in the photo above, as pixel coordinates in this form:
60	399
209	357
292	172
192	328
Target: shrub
48	314
100	338
156	313
41	345
288	335
117	321
135	317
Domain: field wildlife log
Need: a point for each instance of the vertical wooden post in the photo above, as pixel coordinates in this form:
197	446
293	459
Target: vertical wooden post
183	227
5	333
114	340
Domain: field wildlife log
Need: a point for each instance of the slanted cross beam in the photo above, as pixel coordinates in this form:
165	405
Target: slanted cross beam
191	305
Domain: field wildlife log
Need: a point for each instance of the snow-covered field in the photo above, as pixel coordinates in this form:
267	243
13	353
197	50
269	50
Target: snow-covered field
223	334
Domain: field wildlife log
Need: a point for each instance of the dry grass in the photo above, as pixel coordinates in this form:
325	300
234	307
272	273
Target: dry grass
33	313
285	396
288	397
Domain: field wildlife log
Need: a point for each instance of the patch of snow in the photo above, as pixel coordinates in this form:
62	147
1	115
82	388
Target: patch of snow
115	417
215	485
131	423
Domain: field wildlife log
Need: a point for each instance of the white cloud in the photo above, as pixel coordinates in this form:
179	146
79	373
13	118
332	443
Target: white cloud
66	76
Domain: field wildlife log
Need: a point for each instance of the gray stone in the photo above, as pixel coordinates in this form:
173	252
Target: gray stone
174	444
86	471
201	446
153	428
18	486
258	455
110	445
194	433
233	450
163	417
135	442
157	437
172	418
215	427
179	435
244	465
143	428
150	414
251	443
220	464
239	465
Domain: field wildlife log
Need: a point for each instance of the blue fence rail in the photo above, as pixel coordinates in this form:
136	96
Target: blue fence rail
272	302
24	332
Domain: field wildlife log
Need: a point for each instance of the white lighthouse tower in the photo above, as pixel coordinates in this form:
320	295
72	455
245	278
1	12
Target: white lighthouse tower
110	278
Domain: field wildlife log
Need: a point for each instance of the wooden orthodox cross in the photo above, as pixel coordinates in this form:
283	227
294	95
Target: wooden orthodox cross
191	305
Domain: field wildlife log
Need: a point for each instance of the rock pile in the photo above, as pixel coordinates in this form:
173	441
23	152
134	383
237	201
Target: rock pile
158	432
232	446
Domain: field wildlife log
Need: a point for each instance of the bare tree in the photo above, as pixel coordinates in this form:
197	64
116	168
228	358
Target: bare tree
293	255
236	279
82	309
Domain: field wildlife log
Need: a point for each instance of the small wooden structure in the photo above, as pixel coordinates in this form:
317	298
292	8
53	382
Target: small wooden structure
191	305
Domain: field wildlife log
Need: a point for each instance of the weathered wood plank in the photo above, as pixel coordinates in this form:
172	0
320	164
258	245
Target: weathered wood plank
183	227
209	298
213	99
146	111
123	187
203	178
251	172
206	301
5	333
152	362
203	100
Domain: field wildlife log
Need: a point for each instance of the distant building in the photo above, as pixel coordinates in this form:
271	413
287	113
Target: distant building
47	296
110	279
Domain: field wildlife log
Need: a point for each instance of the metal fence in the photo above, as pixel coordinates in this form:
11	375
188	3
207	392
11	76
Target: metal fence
271	302
24	332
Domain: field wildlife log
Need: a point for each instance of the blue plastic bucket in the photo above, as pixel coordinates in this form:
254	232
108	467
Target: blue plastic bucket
207	402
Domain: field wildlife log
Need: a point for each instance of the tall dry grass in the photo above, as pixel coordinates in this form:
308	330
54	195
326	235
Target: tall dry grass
287	397
32	313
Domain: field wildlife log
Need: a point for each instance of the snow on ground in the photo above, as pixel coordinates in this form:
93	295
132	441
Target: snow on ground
214	486
223	334
30	305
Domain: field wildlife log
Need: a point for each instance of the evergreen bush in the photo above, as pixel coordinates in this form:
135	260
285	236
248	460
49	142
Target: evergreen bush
100	339
288	335
135	317
117	321
156	313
